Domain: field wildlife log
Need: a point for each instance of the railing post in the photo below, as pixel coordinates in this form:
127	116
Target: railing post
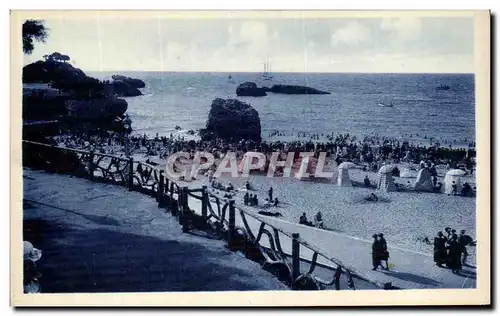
91	165
180	204
204	202
231	225
161	188
338	273
131	173
183	204
295	258
186	214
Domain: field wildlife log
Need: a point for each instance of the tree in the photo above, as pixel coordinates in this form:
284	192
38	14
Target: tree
56	57
33	30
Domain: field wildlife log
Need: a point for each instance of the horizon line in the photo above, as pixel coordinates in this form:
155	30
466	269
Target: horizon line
287	72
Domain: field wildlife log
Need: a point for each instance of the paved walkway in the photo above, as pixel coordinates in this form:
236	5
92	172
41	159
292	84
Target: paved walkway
102	238
411	270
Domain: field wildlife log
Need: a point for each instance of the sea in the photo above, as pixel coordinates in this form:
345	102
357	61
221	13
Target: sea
419	110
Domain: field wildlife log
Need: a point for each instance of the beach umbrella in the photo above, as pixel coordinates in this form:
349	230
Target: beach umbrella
347	165
386	169
456	172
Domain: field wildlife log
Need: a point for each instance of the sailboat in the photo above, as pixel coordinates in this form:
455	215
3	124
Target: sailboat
230	79
266	75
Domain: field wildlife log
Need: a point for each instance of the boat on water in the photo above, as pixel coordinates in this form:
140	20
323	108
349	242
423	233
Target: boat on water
230	79
390	105
443	87
266	75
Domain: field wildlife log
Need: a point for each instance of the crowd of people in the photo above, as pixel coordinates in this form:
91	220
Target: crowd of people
372	150
451	249
318	220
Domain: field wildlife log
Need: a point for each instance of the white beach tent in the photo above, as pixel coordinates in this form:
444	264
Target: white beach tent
424	181
343	179
385	180
406	173
454	175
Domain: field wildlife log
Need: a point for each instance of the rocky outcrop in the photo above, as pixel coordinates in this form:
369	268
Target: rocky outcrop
250	89
55	90
291	89
136	83
232	119
122	89
44	107
51	71
94	109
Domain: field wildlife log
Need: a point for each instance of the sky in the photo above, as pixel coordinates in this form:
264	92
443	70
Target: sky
381	45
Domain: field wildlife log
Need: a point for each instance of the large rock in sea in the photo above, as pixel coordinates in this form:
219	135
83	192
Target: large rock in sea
231	119
137	83
250	89
96	109
122	89
291	89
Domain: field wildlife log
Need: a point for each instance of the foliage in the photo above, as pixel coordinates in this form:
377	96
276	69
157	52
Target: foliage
33	30
56	57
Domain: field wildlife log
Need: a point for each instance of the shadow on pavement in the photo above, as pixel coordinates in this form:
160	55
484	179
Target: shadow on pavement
103	260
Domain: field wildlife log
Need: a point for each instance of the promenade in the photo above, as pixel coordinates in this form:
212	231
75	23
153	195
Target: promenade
411	269
99	237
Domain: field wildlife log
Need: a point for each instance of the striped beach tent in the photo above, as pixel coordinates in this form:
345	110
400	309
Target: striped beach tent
385	180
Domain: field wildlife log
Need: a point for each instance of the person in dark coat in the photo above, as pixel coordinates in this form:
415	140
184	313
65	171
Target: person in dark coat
440	249
367	182
303	219
448	233
270	193
377	252
385	254
464	240
245	199
454	254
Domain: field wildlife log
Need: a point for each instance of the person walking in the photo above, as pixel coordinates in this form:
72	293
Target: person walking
439	249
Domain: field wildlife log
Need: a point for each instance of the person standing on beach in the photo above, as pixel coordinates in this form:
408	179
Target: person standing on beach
448	233
385	252
245	199
464	240
454	188
367	182
440	249
377	251
270	193
454	254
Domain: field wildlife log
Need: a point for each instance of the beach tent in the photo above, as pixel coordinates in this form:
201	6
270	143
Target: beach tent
454	175
385	180
406	173
424	181
343	179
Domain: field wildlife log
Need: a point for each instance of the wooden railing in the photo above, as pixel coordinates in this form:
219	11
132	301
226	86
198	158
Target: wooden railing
243	230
